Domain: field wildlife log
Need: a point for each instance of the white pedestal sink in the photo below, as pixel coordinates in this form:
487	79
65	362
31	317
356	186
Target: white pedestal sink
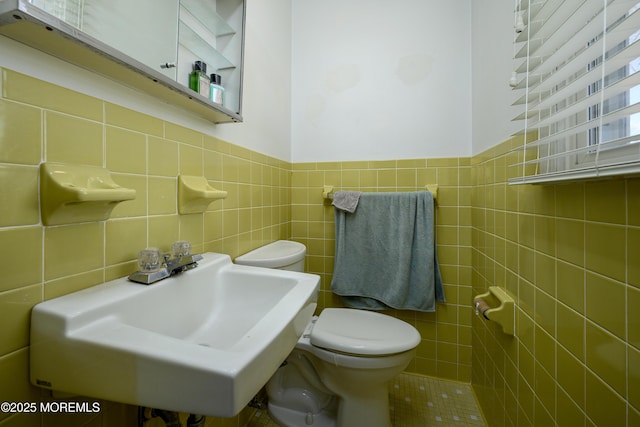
204	341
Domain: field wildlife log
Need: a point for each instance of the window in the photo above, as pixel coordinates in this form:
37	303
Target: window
579	74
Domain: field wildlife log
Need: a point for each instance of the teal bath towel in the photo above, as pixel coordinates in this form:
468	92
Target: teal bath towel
385	253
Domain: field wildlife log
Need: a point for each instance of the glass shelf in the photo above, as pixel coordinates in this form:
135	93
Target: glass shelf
190	40
208	17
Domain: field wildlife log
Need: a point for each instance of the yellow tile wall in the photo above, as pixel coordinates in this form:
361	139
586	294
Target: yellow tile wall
42	122
445	350
569	254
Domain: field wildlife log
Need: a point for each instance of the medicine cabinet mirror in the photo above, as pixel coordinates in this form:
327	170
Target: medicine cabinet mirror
149	45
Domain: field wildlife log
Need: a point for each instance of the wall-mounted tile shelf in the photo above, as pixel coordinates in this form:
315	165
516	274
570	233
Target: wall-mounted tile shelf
195	194
72	193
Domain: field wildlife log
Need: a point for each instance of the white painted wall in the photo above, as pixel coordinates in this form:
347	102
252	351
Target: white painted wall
377	79
492	47
266	107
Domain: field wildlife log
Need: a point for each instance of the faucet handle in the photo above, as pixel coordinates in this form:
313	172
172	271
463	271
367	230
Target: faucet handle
150	260
180	249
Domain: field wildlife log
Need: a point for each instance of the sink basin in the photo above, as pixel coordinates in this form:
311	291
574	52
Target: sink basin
204	341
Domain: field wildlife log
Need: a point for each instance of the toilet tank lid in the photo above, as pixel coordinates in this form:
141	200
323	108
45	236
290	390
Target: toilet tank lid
276	254
363	332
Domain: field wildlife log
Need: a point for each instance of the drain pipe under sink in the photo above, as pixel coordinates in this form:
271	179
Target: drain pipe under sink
195	420
170	418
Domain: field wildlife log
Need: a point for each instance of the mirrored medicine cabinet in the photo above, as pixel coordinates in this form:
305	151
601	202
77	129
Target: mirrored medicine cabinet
149	45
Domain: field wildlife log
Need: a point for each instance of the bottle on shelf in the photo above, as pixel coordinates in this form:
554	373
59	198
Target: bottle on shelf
198	79
216	92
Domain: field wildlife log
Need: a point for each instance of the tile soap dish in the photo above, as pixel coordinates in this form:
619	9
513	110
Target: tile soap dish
195	194
71	193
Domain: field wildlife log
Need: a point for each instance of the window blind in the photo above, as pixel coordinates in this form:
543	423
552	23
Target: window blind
577	66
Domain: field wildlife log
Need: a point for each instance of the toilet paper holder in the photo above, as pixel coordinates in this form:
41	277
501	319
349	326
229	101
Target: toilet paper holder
497	306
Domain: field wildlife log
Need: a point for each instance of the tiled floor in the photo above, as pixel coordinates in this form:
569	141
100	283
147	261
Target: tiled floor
418	401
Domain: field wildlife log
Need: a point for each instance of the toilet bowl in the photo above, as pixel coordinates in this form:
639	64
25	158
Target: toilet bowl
338	373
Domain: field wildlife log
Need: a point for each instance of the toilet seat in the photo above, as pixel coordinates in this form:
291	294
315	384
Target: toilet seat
338	373
347	354
364	333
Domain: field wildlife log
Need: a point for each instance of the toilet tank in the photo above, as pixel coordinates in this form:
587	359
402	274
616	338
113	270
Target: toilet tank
282	254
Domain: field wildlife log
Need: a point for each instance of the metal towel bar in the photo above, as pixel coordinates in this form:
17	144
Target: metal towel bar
328	190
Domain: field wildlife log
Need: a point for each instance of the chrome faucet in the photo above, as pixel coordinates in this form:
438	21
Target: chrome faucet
183	263
154	266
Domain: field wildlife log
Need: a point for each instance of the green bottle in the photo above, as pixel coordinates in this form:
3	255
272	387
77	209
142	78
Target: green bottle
198	79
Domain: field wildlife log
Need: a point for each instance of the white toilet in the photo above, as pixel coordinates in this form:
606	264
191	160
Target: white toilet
338	374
